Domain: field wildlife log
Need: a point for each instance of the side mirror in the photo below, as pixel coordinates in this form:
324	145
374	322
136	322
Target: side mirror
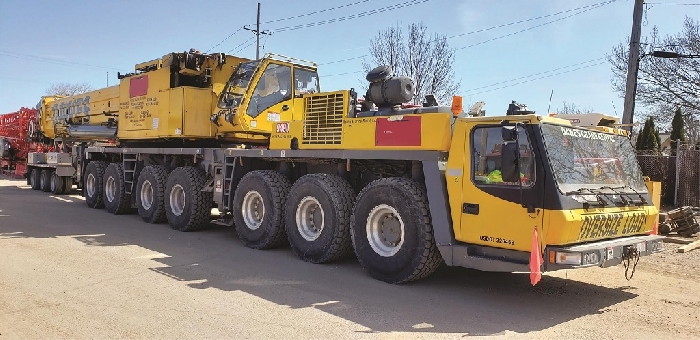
228	98
509	133
509	162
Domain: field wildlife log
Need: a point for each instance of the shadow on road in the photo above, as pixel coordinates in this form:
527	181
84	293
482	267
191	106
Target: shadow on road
453	300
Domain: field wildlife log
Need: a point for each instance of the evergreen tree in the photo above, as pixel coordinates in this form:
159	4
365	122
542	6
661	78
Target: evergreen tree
677	130
648	139
641	138
652	141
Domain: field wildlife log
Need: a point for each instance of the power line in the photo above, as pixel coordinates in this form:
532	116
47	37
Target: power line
244	47
222	41
353	16
241	44
342	74
40	58
536	26
341	60
316	12
534	74
534	79
527	20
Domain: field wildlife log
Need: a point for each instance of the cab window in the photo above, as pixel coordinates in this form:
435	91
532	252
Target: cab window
305	82
274	86
486	157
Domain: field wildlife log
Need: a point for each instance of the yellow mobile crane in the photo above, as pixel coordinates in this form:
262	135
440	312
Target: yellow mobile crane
403	188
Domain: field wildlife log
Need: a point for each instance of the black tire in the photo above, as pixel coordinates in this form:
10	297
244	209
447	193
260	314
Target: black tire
67	185
45	180
195	211
331	199
116	201
56	184
415	255
35	179
151	205
271	188
94	174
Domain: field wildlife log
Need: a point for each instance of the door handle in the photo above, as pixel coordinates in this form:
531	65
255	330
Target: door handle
285	107
470	208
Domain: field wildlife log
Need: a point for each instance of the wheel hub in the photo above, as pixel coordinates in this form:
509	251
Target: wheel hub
385	230
146	194
177	199
310	218
253	210
110	189
90	185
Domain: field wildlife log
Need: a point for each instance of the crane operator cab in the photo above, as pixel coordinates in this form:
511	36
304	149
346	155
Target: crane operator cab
261	93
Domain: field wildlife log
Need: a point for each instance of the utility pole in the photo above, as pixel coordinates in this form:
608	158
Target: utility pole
633	64
257	34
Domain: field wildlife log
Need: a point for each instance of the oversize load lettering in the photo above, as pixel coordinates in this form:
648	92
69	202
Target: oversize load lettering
607	225
587	134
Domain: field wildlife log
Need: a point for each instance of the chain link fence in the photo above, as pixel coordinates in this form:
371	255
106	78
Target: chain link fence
688	178
679	175
660	169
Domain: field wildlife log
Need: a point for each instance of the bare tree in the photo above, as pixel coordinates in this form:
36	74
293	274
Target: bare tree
665	84
67	89
428	60
572	108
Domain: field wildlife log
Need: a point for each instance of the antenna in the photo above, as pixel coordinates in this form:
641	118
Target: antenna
550	101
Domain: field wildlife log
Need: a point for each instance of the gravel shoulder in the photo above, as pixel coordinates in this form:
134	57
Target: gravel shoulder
68	271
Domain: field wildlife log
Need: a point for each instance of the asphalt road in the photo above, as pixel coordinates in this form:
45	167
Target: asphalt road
68	271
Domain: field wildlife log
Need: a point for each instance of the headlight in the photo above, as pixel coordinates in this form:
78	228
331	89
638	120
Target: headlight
568	258
591	258
657	245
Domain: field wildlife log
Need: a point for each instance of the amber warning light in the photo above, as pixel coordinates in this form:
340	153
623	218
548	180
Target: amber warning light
456	105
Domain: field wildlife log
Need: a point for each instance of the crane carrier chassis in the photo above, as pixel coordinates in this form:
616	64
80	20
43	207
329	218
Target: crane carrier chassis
403	188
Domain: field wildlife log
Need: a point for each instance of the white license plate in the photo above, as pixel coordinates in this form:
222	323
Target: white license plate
642	246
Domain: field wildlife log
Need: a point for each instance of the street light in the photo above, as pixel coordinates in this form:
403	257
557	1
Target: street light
672	55
656	54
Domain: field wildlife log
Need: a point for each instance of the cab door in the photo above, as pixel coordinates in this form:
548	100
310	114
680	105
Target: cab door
270	100
496	213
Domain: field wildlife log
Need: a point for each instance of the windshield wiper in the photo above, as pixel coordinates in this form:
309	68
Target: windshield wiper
583	192
641	199
620	194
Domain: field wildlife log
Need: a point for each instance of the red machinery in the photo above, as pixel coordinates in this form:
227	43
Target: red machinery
16	132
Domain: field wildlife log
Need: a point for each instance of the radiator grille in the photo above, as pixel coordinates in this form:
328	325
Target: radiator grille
323	121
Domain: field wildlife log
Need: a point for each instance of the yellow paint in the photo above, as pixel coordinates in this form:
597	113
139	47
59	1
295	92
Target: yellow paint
508	225
92	108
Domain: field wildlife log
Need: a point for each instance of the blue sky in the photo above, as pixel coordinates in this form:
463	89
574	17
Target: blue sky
45	42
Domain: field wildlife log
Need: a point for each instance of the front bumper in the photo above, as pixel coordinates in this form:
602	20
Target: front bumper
605	253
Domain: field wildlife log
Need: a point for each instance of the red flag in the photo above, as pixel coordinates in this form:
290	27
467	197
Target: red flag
535	260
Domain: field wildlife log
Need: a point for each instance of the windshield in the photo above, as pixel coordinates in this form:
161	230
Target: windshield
585	159
237	85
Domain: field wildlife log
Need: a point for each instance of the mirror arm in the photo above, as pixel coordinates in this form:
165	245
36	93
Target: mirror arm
517	163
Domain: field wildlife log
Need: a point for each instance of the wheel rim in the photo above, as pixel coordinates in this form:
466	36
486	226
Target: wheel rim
146	195
53	183
90	185
177	199
110	188
310	218
253	210
42	181
32	180
385	230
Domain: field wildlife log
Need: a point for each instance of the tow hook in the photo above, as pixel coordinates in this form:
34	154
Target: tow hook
630	257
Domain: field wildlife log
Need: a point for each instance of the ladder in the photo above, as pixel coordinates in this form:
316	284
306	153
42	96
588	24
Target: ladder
229	168
130	163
